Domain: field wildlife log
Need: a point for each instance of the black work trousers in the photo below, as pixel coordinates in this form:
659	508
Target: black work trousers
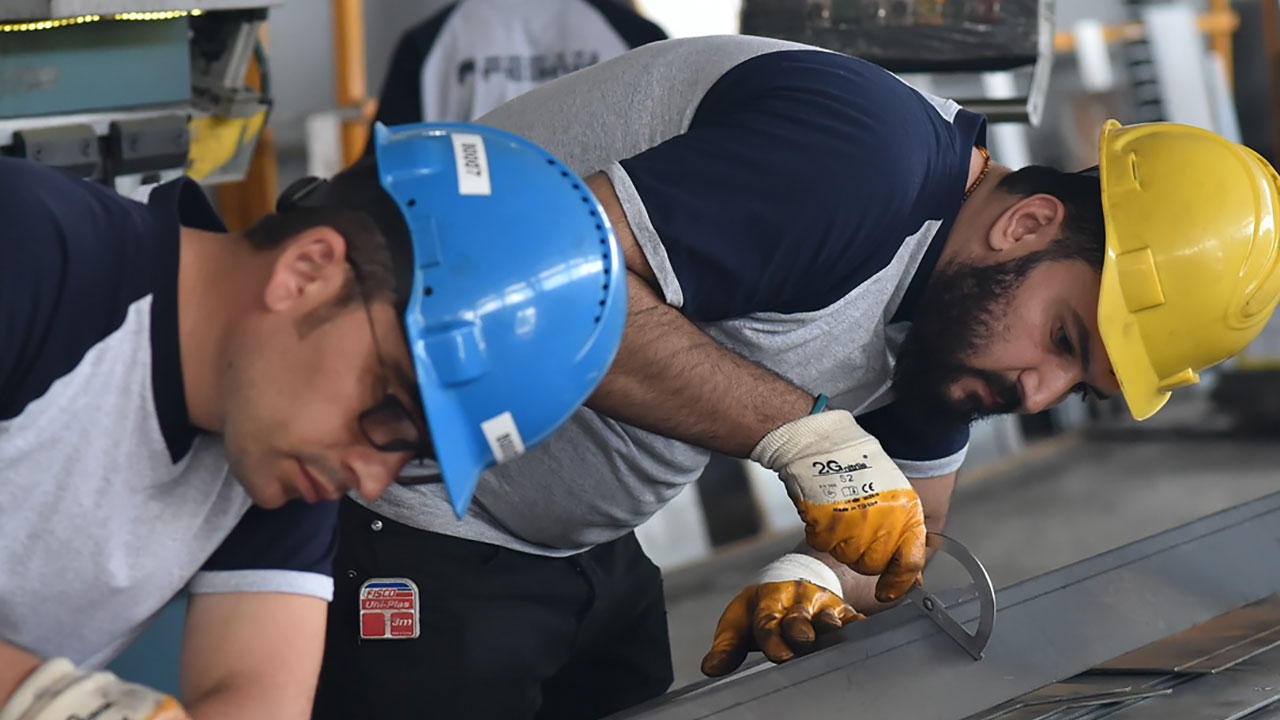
503	634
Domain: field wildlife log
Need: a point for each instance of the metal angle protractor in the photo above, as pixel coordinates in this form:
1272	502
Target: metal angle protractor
973	643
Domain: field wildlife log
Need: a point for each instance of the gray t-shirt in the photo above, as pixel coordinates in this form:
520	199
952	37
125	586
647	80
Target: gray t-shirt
786	199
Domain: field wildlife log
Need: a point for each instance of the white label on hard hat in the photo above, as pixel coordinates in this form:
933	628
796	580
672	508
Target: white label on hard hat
473	164
503	437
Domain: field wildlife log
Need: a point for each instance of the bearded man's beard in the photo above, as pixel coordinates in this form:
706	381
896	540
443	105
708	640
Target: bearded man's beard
962	311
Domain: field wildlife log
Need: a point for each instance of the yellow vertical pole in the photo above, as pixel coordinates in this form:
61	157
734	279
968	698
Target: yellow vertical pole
1220	41
350	77
245	202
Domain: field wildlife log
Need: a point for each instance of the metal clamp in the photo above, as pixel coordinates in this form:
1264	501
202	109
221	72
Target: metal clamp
973	643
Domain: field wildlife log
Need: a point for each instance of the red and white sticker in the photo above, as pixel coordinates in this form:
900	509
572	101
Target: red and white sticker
388	609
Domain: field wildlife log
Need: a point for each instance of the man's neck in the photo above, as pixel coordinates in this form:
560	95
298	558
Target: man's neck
210	282
978	213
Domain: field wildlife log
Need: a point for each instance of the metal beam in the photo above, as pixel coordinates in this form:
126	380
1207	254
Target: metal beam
898	664
52	9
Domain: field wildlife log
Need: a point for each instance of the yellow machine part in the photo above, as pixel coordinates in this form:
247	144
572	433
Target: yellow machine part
216	141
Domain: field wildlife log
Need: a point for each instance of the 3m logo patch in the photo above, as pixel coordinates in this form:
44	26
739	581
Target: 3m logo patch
388	609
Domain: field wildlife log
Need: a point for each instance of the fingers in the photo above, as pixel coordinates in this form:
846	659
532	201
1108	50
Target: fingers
792	626
834	616
798	630
904	568
767	630
782	619
847	614
866	559
732	639
724	657
831	619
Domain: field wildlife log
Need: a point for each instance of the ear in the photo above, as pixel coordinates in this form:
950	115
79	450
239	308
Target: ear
1028	225
310	270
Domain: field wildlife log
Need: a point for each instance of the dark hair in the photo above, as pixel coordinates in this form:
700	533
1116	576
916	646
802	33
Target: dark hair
1083	233
366	247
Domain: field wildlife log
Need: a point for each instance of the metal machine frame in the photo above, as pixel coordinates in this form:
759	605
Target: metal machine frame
54	9
210	129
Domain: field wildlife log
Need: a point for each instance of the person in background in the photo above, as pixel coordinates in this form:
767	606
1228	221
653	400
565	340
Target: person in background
474	55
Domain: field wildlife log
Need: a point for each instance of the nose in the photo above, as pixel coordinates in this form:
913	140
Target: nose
374	469
1044	386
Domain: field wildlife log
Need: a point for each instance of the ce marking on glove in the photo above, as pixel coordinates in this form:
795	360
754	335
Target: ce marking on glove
856	491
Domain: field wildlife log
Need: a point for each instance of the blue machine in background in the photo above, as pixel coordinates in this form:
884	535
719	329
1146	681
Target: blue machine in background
89	66
130	93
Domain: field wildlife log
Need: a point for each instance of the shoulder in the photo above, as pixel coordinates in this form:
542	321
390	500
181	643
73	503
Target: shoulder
74	256
825	86
420	38
860	142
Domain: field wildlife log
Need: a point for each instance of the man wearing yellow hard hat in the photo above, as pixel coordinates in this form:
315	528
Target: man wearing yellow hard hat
1188	278
828	275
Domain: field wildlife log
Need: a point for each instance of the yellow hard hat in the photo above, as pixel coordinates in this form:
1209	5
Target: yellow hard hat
1190	275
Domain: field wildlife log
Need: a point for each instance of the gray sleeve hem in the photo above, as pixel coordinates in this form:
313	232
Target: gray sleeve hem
295	582
933	468
646	235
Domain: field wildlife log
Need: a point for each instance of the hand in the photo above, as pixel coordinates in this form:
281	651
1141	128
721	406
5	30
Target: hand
783	619
855	503
58	691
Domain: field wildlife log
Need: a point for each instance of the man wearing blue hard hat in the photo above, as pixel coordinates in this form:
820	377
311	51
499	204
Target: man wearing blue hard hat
160	375
509	331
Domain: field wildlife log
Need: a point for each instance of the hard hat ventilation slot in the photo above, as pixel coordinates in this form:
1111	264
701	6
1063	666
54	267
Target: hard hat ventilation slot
589	201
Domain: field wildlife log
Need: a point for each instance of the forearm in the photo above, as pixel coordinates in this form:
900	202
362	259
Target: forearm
15	666
673	379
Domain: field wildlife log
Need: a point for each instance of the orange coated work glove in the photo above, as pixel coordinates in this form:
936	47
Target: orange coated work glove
58	691
856	504
782	618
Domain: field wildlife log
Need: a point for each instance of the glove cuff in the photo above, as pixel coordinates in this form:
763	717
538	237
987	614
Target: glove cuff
795	566
787	442
46	680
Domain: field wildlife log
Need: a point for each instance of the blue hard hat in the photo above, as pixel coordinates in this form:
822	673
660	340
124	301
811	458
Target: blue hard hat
509	278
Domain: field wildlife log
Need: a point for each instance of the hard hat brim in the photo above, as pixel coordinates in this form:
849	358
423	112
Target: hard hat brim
1118	327
1123	342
